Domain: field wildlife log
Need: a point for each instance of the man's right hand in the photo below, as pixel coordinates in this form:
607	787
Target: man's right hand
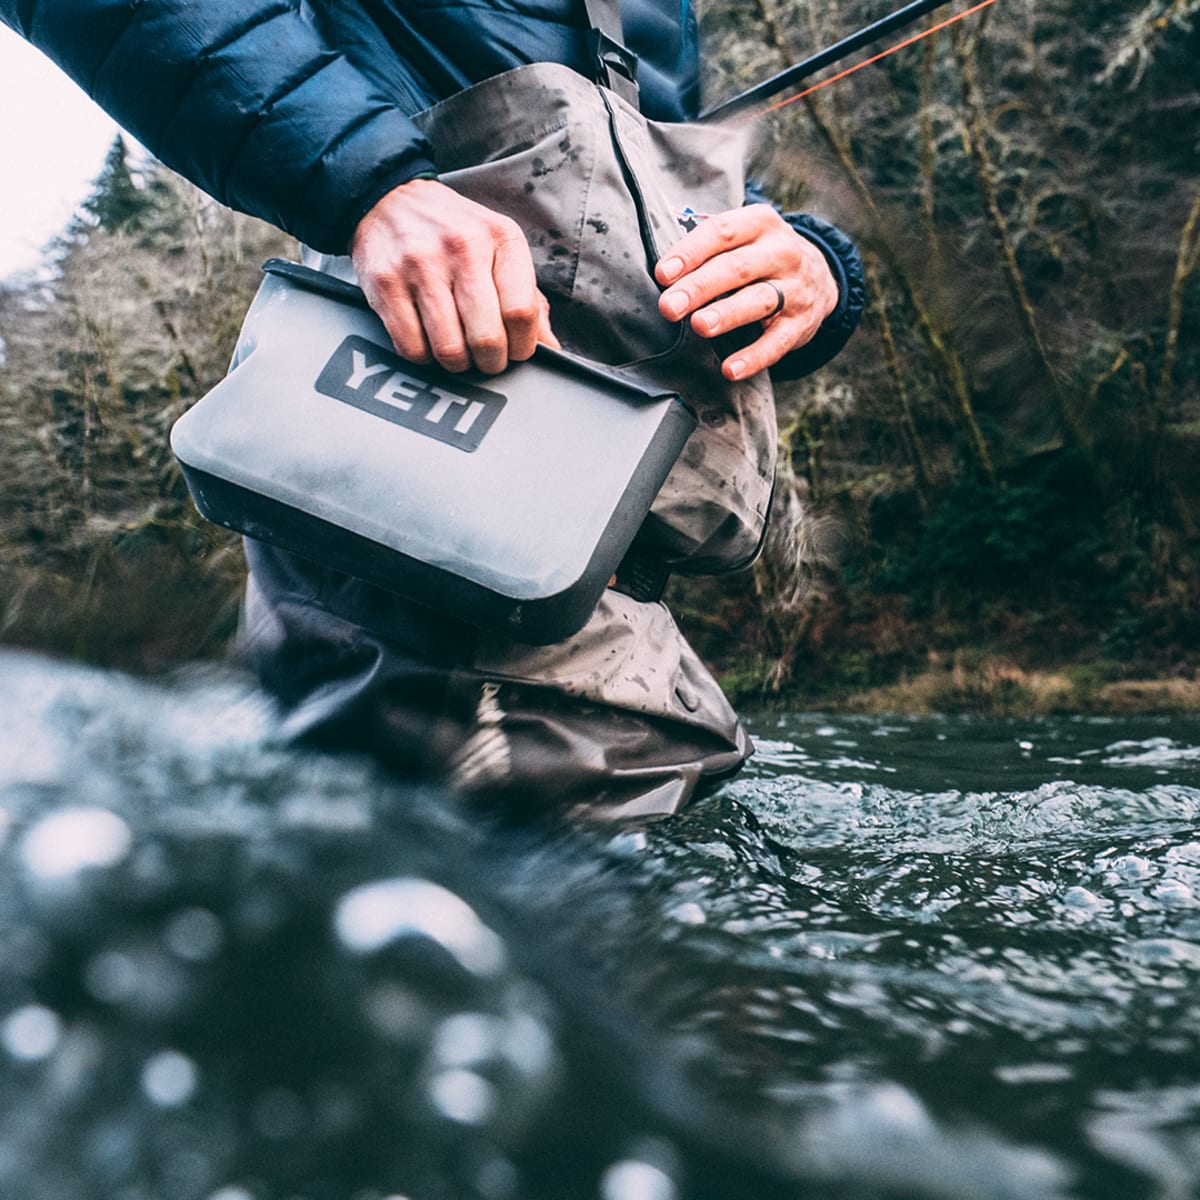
451	280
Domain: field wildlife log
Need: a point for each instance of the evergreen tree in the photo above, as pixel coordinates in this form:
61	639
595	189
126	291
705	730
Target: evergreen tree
116	202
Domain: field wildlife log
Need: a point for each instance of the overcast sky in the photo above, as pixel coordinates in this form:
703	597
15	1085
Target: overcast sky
52	145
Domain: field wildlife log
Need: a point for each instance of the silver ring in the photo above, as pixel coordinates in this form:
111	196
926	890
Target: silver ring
782	300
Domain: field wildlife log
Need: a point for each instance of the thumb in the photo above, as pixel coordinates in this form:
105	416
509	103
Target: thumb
545	334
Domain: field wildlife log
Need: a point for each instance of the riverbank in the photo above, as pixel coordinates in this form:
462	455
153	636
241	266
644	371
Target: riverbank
998	687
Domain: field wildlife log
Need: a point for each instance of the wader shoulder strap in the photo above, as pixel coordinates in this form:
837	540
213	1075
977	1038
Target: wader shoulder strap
615	65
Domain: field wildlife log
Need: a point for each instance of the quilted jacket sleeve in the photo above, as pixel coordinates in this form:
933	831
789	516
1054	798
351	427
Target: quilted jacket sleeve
243	97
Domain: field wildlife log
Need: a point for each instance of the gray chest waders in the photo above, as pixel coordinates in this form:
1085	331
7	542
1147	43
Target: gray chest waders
599	191
622	718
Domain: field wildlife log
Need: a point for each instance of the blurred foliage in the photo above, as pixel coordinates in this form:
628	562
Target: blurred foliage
1003	461
133	318
1010	444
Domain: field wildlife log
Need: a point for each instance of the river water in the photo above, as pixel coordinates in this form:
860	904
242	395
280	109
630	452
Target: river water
896	957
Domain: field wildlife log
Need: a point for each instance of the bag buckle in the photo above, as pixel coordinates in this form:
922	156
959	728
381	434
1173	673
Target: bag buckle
616	65
642	575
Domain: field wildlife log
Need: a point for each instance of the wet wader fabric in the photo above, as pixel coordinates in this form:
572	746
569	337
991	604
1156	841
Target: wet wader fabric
622	718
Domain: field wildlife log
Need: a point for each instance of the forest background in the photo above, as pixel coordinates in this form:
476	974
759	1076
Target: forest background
990	501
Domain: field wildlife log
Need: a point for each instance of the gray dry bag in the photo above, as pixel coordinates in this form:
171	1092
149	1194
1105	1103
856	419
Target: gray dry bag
507	501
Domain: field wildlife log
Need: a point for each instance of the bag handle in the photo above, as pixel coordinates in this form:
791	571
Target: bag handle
615	65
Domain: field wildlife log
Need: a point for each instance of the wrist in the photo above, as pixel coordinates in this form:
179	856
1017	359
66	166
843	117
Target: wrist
423	170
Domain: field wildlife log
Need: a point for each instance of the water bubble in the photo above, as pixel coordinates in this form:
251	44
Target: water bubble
632	1179
463	1096
378	914
74	840
232	1193
194	934
31	1033
169	1079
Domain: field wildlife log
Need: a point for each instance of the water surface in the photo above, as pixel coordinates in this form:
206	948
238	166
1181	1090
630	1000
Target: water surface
929	958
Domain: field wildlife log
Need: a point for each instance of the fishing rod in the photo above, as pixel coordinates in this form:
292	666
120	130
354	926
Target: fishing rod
817	62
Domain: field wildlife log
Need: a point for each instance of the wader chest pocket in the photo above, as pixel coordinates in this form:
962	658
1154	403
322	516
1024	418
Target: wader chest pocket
507	501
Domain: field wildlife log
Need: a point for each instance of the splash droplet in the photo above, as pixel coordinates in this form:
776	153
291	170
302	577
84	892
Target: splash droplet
31	1033
74	840
169	1079
377	914
463	1096
633	1180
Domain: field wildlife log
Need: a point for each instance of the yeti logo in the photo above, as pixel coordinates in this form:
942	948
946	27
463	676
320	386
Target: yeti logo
381	383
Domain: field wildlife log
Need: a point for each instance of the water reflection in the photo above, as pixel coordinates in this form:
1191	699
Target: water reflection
937	958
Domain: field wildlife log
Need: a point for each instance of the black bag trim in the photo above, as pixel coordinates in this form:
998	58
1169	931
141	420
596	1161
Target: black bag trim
625	377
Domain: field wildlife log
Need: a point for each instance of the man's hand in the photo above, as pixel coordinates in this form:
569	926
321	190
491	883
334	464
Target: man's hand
451	280
738	267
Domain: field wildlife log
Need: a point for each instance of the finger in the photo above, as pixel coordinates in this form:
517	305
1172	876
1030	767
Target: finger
438	311
545	335
778	338
395	308
523	309
717	235
474	289
757	302
717	277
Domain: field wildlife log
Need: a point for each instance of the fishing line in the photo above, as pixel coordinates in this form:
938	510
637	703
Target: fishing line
816	87
748	102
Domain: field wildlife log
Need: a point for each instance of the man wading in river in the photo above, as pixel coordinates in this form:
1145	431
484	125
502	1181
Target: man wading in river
573	218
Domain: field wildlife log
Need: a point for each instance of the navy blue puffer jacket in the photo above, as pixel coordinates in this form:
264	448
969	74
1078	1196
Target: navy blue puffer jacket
298	112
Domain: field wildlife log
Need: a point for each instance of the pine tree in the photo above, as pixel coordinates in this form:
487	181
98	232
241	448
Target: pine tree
116	201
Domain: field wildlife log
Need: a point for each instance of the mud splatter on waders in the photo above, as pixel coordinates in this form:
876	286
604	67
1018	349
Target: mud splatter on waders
622	718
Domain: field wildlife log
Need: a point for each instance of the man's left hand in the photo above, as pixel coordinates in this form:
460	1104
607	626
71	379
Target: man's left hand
743	266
